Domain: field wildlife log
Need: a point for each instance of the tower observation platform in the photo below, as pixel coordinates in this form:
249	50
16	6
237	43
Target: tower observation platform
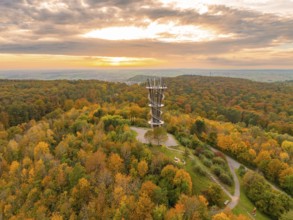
156	96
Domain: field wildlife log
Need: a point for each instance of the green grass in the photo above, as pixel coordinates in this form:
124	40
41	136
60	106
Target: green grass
199	182
180	147
245	206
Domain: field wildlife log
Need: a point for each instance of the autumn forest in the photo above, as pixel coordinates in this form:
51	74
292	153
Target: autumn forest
68	150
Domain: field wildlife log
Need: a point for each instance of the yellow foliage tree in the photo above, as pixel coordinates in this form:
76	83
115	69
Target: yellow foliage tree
144	207
118	195
176	213
263	156
96	161
169	172
115	163
123	181
284	156
40	150
288	146
224	141
182	179
14	168
221	216
56	216
148	188
142	168
203	200
284	173
40	169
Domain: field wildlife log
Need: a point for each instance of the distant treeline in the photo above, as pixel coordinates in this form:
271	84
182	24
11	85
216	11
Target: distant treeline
268	105
21	101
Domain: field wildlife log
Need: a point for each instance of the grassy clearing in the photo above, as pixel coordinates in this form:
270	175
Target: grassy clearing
199	182
245	206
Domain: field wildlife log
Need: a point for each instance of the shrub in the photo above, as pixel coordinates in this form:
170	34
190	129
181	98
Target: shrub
241	170
214	195
217	170
209	154
198	151
219	160
195	144
287	215
262	195
226	179
207	162
199	170
220	154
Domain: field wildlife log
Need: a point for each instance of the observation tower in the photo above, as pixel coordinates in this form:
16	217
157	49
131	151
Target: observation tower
156	96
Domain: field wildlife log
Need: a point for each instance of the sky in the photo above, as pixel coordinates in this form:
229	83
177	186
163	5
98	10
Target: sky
209	34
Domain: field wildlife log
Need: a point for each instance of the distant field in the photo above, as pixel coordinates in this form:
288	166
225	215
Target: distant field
123	75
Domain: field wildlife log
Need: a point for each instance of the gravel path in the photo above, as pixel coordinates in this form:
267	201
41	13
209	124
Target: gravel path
233	165
140	137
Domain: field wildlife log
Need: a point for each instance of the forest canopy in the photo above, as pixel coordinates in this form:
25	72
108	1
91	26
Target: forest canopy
67	150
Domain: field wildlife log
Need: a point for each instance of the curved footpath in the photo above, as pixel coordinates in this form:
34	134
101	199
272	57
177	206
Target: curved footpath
231	162
233	165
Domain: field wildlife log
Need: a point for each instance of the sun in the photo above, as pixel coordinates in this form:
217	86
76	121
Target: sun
117	61
125	61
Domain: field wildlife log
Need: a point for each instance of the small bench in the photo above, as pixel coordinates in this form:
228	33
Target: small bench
176	159
226	202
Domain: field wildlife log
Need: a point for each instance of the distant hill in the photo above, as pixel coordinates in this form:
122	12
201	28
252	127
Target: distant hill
124	75
139	79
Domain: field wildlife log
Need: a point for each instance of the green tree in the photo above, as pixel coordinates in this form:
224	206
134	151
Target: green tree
287	215
157	136
183	181
214	195
198	127
160	135
77	173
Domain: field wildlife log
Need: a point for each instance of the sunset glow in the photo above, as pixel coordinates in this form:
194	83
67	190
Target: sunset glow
124	62
35	61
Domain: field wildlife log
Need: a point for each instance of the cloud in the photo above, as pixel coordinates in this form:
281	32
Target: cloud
58	27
